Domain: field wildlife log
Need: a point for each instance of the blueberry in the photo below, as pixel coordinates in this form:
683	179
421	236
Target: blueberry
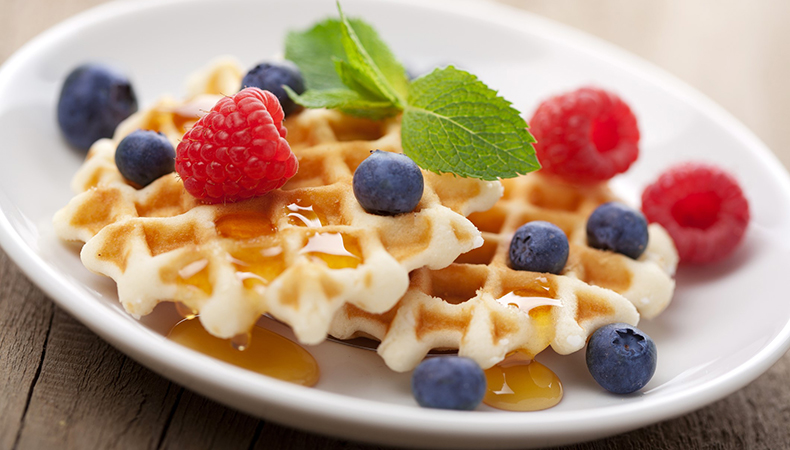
621	358
539	246
144	155
448	382
388	183
93	101
614	226
271	77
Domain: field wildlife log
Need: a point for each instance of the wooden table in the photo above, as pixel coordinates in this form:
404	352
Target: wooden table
63	387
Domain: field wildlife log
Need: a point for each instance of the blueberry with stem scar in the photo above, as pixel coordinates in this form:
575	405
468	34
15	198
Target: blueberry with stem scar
539	246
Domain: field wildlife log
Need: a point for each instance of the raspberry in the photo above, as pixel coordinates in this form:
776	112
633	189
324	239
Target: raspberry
585	136
238	150
703	209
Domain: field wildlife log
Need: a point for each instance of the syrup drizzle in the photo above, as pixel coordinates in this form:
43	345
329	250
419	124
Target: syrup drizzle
334	249
257	266
185	116
185	311
305	215
260	351
520	383
192	269
527	303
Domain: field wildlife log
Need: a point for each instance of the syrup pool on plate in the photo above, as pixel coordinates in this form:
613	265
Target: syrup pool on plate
519	383
261	351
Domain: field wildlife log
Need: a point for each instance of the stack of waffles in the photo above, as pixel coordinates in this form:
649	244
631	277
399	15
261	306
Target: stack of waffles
311	257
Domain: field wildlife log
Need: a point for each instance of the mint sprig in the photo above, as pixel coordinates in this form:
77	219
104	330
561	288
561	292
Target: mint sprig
452	122
470	130
346	100
338	56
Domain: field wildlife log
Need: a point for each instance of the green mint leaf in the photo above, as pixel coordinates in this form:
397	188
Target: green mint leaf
454	123
451	121
390	67
358	81
314	51
348	101
373	61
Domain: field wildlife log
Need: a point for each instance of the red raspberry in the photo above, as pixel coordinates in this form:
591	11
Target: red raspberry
585	136
703	209
238	150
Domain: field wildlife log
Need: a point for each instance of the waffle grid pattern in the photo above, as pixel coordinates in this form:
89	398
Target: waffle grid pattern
486	310
299	253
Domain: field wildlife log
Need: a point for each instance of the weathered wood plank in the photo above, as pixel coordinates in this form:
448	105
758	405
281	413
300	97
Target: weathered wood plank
21	20
89	395
756	417
290	439
25	316
202	423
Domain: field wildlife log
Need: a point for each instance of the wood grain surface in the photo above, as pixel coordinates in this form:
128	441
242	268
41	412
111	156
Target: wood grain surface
63	387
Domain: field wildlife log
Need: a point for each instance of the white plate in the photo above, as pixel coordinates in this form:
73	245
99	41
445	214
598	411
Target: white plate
727	324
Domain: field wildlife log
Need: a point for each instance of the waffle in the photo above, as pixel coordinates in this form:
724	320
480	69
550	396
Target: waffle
299	254
485	310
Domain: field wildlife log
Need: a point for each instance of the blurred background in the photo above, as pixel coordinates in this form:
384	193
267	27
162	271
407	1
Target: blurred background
735	52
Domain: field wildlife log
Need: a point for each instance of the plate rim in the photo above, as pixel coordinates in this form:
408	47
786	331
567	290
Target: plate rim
157	353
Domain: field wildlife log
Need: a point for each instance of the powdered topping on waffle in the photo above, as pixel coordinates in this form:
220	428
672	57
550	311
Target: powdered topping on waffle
299	253
485	309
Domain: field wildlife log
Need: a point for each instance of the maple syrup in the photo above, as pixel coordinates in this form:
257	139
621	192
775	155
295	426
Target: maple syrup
527	302
303	216
192	273
260	351
257	265
184	122
185	116
337	250
196	274
519	383
244	225
185	311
